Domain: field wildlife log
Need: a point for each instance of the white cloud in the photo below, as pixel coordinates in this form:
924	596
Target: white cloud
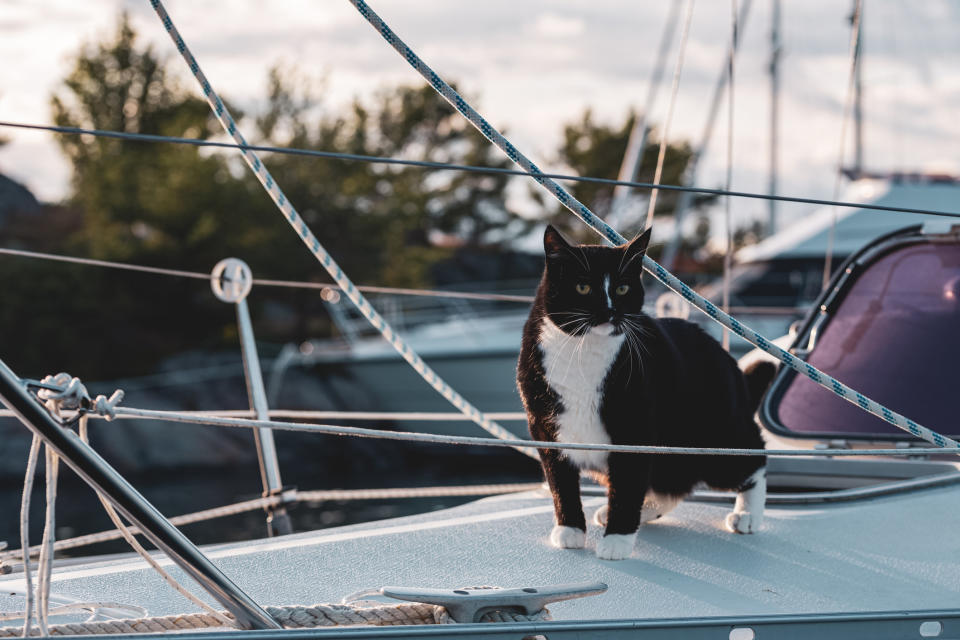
537	68
552	25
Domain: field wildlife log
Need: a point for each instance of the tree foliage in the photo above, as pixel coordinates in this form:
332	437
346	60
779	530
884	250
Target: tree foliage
597	149
179	206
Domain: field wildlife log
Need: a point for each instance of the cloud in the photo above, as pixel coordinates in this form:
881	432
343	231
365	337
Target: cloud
537	68
551	25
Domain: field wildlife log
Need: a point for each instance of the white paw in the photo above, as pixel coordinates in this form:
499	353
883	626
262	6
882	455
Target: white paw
743	522
615	546
567	537
600	516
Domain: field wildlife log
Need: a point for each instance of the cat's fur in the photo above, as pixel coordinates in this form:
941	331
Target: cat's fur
595	369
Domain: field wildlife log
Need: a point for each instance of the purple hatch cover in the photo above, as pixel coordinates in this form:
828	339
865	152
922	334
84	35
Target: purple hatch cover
896	338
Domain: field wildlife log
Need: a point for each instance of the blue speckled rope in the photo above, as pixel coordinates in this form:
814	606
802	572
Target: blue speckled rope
614	238
309	239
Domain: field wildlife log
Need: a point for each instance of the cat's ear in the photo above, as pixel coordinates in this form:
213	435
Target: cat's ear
553	243
636	249
639	244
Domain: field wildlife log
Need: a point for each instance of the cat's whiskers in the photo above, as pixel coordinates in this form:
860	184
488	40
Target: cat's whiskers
632	348
635	331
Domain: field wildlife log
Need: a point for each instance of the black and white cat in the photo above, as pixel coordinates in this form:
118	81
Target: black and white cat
595	369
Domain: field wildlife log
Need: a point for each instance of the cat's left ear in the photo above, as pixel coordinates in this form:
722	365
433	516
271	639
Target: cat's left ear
554	244
638	246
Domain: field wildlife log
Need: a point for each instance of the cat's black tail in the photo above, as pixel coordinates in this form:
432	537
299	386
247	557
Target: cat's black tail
758	376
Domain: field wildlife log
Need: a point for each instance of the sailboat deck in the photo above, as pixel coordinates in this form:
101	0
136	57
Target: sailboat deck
878	554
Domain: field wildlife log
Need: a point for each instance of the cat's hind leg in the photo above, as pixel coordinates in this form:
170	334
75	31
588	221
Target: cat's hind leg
747	514
655	506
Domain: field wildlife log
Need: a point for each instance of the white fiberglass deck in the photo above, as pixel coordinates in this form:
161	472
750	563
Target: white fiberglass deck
898	552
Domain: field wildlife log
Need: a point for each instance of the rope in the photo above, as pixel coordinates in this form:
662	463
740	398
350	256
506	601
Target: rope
311	241
637	142
614	238
397	291
727	214
415	492
132	541
72	396
45	564
268	283
327	495
77	607
674	90
446	166
291	617
844	121
25	531
409	436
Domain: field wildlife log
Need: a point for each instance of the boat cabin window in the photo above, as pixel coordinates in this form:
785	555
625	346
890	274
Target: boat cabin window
895	336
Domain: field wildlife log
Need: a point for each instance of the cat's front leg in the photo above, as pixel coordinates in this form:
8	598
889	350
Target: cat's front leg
570	529
629	480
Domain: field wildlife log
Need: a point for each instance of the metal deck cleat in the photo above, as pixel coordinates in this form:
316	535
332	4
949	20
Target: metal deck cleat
468	605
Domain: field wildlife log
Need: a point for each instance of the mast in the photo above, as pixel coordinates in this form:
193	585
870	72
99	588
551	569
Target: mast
775	51
858	91
685	199
633	156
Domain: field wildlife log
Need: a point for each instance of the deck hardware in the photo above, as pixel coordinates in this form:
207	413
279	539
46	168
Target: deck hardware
467	606
96	472
231	282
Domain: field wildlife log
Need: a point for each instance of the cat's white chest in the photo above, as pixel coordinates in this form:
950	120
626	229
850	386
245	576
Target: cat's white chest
575	368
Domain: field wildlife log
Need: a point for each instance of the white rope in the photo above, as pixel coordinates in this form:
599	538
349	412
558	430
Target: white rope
76	607
612	237
55	401
396	291
324	495
311	241
844	121
728	216
674	90
415	492
45	564
637	142
32	458
132	541
360	432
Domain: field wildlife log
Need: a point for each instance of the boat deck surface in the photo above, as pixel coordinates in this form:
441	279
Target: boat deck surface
897	552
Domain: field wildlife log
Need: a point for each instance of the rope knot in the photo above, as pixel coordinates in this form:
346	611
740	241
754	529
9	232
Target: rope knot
68	393
108	407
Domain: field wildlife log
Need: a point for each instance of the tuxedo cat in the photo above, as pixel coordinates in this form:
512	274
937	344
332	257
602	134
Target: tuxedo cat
595	369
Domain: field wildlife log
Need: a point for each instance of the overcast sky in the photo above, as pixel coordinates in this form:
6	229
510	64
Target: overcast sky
535	64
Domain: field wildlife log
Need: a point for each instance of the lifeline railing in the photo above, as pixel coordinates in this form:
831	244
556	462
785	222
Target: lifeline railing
135	508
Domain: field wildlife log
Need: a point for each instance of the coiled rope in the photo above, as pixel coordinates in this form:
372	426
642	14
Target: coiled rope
313	244
611	236
291	617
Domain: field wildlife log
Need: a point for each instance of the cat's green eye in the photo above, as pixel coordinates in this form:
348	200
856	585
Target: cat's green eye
622	290
583	289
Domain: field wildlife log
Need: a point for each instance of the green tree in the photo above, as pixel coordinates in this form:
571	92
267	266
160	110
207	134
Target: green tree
143	200
386	222
596	149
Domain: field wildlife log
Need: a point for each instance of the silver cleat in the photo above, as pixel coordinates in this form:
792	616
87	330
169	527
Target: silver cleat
468	605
